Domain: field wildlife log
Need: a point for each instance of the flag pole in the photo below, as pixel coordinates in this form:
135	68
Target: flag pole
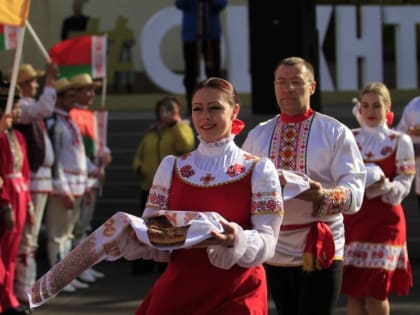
103	96
16	62
104	80
38	42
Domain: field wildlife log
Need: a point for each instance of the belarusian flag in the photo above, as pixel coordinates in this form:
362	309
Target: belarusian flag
14	12
8	37
82	54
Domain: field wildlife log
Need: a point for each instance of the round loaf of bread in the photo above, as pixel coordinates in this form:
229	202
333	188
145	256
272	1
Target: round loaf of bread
162	233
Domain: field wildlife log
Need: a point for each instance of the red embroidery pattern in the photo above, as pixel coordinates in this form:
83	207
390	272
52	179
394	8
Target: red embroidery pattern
207	179
386	150
187	171
109	228
267	203
112	249
190	216
81	258
235	170
171	217
289	143
334	201
158	197
368	255
369	155
407	167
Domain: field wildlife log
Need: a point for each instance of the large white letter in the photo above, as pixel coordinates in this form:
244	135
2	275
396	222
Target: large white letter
405	20
150	41
350	47
323	16
238	47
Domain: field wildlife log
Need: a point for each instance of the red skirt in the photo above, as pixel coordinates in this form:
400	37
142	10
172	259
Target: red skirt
376	261
190	277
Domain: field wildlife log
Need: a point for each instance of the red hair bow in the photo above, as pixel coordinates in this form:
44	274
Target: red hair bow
237	126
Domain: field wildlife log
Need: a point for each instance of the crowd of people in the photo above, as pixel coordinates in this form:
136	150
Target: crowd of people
345	234
49	163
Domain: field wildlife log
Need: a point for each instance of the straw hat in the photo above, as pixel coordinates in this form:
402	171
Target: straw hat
27	72
83	80
62	85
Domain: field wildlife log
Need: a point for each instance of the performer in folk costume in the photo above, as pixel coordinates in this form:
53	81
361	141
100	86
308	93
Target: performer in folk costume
410	124
305	273
15	201
69	178
85	119
41	158
226	275
376	262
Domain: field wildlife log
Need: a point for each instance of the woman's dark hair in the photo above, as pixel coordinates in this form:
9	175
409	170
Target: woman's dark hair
4	92
167	101
232	96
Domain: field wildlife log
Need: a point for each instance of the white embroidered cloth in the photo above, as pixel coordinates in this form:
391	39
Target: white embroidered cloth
296	183
113	240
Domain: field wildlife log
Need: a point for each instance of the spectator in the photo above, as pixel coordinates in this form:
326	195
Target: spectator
76	22
169	135
201	32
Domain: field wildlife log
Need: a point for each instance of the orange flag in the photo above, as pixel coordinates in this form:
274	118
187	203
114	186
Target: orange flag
14	12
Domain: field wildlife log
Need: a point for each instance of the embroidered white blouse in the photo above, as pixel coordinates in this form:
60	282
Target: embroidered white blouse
379	143
326	151
251	247
33	110
70	166
410	118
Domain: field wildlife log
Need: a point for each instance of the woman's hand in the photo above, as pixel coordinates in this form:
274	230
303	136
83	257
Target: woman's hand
379	184
227	238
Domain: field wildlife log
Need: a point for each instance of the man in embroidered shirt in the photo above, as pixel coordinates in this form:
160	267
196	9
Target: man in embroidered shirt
69	179
85	119
305	273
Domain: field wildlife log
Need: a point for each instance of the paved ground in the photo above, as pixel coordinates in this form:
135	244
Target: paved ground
121	292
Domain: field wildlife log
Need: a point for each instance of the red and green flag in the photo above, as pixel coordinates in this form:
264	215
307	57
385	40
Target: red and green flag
8	37
82	54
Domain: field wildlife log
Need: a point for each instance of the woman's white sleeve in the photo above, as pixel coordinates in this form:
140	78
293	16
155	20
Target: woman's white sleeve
400	186
254	246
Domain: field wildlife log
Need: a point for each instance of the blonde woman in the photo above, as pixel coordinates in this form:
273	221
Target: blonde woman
376	262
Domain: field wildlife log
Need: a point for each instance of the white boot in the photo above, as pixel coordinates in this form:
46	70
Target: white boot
86	276
96	273
69	288
54	252
79	284
25	275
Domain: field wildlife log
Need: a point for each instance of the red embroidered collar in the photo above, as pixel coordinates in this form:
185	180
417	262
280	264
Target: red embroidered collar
297	118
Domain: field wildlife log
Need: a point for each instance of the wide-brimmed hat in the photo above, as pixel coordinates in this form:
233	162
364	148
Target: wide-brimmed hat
62	85
27	72
84	80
